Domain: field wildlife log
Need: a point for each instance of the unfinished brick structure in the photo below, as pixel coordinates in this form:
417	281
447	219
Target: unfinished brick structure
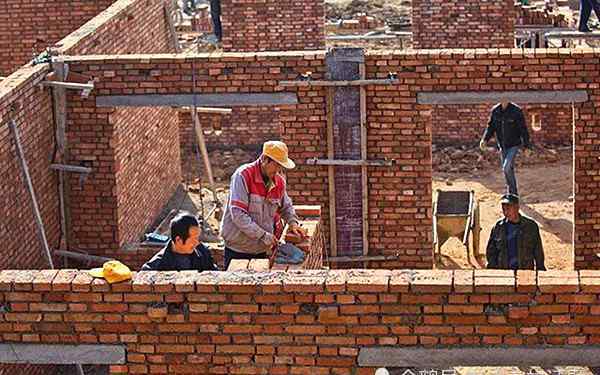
399	128
321	322
110	206
464	24
273	25
29	27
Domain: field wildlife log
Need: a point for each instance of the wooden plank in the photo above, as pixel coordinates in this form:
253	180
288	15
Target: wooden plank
343	64
363	153
219	111
202	145
70	168
358	82
29	186
69	85
57	354
571	35
394	36
521	356
202	100
374	163
331	174
489	97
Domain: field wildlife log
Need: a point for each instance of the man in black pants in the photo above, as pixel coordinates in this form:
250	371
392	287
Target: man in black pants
215	14
585	10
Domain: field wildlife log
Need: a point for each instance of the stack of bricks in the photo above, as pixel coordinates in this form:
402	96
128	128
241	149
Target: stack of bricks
361	22
463	24
534	15
273	25
465	124
201	22
309	321
313	246
29	27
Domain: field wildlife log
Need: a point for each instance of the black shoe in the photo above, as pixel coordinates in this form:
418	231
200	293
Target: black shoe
584	30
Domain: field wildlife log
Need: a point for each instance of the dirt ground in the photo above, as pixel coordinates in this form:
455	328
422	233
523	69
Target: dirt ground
546	190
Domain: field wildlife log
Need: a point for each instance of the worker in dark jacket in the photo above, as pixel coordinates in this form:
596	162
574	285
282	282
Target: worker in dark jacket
515	241
507	123
215	15
184	251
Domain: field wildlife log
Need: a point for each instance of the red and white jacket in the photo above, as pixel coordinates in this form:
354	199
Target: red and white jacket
252	211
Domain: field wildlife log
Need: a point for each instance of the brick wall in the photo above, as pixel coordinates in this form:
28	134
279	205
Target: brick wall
464	24
452	124
134	152
399	196
28	27
299	321
273	25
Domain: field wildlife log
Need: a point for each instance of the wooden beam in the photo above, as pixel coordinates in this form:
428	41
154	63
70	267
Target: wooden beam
394	36
372	163
358	82
29	186
202	100
521	356
331	174
363	167
519	97
218	111
70	168
202	145
57	354
571	35
69	85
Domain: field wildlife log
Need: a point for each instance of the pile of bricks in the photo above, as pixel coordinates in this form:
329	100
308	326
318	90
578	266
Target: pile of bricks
534	15
455	23
310	321
273	25
313	245
360	22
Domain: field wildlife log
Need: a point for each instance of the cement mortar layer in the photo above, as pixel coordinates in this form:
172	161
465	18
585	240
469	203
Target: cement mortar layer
310	281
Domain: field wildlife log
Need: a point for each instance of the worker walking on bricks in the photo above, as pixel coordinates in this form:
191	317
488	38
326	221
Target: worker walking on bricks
515	242
257	199
507	124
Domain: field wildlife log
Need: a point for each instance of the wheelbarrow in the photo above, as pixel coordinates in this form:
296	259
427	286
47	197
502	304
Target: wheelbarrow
456	214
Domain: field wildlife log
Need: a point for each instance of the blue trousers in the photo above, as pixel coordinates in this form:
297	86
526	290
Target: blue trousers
585	10
507	159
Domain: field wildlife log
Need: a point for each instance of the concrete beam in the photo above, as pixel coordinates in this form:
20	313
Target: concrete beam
446	358
200	100
571	35
54	354
488	97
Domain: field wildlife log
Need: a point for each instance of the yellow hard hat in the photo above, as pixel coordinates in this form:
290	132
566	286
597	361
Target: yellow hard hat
113	271
278	151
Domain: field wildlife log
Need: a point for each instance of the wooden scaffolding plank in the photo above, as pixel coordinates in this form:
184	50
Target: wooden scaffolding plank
363	154
331	174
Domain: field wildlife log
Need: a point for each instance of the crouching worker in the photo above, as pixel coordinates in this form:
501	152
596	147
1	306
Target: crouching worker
515	242
184	252
257	198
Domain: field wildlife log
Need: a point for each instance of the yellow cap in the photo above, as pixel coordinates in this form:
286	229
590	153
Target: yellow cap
113	271
278	151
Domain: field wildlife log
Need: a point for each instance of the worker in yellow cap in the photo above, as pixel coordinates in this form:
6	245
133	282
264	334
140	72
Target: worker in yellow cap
257	201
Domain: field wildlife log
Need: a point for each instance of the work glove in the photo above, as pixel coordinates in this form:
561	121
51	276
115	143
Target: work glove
482	146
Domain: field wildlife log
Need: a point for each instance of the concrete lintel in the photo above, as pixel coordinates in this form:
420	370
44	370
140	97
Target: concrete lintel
487	97
62	354
491	356
574	34
201	100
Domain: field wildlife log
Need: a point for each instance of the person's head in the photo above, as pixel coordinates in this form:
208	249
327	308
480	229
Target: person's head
185	233
274	159
510	207
504	100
